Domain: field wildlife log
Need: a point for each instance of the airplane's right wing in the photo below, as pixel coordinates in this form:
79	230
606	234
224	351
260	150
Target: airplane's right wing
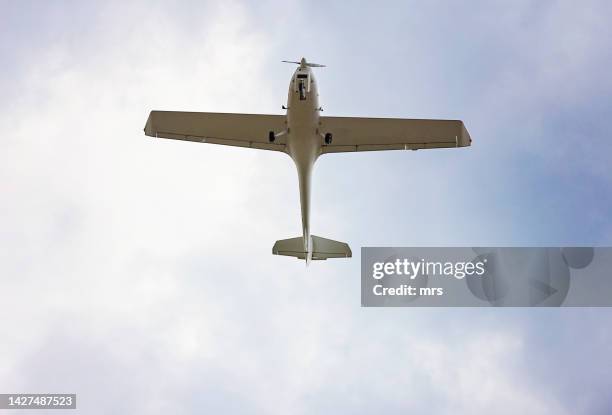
240	130
372	134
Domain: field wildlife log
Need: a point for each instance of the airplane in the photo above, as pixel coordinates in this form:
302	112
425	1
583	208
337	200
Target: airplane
304	134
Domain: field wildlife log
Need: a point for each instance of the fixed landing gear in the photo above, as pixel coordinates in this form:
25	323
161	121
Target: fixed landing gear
302	91
328	138
271	136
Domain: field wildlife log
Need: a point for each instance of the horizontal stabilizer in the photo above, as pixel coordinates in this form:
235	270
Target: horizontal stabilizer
290	247
326	248
321	248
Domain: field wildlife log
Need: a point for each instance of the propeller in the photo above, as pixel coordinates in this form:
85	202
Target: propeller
303	64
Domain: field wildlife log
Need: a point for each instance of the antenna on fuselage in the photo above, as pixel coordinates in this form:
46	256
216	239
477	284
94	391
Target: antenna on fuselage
305	64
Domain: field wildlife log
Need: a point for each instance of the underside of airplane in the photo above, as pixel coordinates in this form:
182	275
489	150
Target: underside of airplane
304	135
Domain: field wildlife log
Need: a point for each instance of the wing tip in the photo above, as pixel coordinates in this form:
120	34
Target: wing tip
466	139
148	128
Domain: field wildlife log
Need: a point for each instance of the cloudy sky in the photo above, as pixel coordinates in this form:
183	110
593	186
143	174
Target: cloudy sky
138	273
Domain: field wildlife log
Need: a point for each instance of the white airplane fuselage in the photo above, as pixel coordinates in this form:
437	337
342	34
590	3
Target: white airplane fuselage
304	140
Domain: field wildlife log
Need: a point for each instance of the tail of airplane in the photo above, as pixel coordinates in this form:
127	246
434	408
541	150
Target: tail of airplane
321	248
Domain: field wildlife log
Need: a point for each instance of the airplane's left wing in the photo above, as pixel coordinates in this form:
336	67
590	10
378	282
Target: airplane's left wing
241	130
372	134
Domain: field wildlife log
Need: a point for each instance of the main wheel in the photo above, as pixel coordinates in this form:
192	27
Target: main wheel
271	136
328	138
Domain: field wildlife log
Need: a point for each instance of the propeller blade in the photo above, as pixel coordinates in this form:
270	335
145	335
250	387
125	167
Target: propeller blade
303	62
